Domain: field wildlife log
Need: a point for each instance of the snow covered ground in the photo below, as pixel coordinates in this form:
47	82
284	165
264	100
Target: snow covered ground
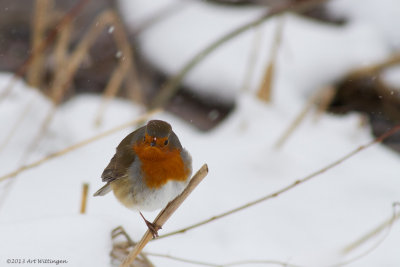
308	226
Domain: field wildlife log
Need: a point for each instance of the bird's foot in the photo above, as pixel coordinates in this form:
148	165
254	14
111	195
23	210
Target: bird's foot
153	228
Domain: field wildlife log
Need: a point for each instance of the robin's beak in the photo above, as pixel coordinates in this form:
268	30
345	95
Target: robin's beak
153	142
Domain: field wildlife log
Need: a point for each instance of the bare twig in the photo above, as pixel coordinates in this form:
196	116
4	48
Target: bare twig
17	123
387	225
172	85
324	100
261	262
78	145
253	55
265	90
160	15
85	189
296	122
373	232
289	187
375	246
120	250
166	213
390	61
236	263
37	137
180	259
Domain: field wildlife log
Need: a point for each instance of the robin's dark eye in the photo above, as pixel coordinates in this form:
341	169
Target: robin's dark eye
166	142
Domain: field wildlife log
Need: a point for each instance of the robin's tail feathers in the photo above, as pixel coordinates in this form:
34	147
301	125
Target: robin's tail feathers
104	190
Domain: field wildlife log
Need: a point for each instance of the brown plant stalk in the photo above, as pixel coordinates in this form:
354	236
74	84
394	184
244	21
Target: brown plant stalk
265	90
166	213
288	187
297	120
85	189
39	25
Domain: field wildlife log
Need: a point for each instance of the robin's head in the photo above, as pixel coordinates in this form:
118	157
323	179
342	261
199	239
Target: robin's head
159	134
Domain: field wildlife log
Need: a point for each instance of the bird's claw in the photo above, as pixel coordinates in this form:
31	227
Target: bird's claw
153	228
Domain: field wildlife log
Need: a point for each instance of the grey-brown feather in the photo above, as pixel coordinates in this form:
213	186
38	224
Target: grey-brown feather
123	157
104	190
120	162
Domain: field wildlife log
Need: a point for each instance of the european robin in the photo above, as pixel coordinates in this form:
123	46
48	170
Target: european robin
149	169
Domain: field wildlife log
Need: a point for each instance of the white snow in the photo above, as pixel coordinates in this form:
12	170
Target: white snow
309	48
381	16
391	77
309	225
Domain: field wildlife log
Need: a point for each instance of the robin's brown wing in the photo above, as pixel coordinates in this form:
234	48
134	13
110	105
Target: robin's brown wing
122	159
114	170
120	162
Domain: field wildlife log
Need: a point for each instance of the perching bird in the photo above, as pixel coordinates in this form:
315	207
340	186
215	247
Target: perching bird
149	169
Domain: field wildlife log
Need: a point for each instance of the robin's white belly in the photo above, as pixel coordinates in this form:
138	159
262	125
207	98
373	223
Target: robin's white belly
134	194
153	199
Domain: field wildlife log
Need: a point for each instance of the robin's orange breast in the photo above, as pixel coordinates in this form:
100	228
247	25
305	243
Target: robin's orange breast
160	165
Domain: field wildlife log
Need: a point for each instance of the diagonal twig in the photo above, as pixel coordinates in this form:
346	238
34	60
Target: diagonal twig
77	145
288	187
166	213
373	232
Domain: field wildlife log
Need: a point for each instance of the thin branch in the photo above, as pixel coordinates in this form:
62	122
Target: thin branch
289	187
297	120
374	232
252	59
78	145
390	61
262	262
387	225
120	250
160	15
236	263
376	245
196	262
324	100
166	213
265	90
17	123
172	85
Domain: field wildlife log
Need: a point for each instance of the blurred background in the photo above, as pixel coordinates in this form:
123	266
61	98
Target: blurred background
37	37
264	91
